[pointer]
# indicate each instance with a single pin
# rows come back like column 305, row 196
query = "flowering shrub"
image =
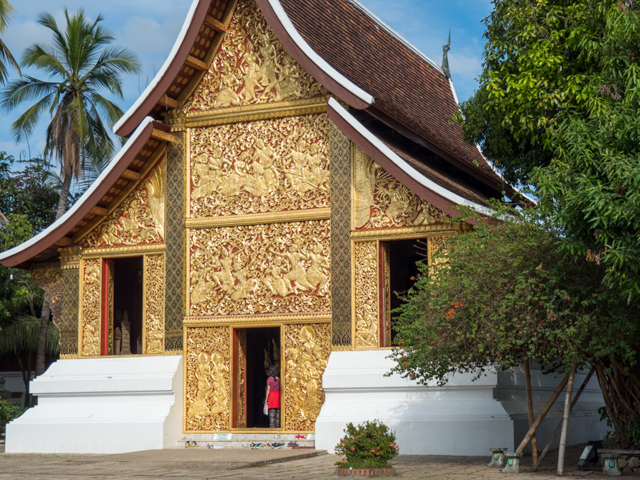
column 8, row 412
column 369, row 445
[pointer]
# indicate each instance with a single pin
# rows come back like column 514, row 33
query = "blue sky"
column 149, row 28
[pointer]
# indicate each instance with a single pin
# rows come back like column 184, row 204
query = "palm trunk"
column 64, row 196
column 42, row 337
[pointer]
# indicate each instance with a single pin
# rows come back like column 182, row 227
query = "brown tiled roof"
column 405, row 85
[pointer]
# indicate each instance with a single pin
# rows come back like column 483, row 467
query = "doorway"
column 401, row 258
column 255, row 350
column 127, row 305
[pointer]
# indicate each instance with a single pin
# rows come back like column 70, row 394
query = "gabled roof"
column 124, row 171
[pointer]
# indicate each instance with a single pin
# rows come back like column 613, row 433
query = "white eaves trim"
column 33, row 240
column 403, row 165
column 162, row 71
column 315, row 58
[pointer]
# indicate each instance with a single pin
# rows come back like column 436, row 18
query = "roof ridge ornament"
column 445, row 57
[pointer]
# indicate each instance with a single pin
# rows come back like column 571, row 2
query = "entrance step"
column 246, row 440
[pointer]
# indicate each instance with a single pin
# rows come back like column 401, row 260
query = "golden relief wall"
column 260, row 269
column 381, row 201
column 90, row 301
column 207, row 379
column 138, row 220
column 251, row 67
column 365, row 305
column 260, row 167
column 307, row 349
column 154, row 288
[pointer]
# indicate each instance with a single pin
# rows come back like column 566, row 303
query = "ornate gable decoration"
column 381, row 201
column 139, row 219
column 252, row 67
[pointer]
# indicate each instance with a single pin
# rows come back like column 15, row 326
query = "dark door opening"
column 263, row 350
column 127, row 304
column 403, row 256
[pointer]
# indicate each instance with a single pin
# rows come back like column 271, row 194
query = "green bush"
column 8, row 412
column 369, row 445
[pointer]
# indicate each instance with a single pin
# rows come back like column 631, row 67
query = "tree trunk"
column 42, row 338
column 64, row 196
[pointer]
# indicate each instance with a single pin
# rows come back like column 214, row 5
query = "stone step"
column 245, row 440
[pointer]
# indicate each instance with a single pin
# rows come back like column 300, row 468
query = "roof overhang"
column 97, row 201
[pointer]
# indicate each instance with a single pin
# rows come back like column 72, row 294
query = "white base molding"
column 102, row 405
column 464, row 417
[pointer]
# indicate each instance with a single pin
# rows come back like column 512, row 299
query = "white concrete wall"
column 464, row 417
column 102, row 405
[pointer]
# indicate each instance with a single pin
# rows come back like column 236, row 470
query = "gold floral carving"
column 366, row 294
column 49, row 279
column 90, row 298
column 70, row 257
column 241, row 378
column 260, row 167
column 207, row 379
column 139, row 219
column 307, row 349
column 381, row 201
column 260, row 269
column 252, row 67
column 154, row 285
column 436, row 243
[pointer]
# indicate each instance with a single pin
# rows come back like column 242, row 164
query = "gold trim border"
column 401, row 233
column 251, row 113
column 260, row 218
column 255, row 320
column 126, row 251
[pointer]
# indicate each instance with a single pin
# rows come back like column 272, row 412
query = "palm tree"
column 5, row 55
column 79, row 63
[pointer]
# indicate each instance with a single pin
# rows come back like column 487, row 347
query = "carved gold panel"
column 366, row 292
column 138, row 220
column 381, row 201
column 207, row 383
column 435, row 243
column 90, row 303
column 49, row 279
column 307, row 349
column 154, row 288
column 251, row 67
column 260, row 167
column 260, row 269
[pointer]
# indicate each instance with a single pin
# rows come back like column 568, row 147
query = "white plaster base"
column 102, row 405
column 464, row 417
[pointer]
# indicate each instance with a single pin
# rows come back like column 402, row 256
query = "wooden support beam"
column 64, row 242
column 167, row 102
column 195, row 63
column 216, row 25
column 130, row 175
column 161, row 135
column 99, row 211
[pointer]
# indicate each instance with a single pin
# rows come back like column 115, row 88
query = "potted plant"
column 367, row 450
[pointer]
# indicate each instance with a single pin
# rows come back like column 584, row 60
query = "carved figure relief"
column 366, row 294
column 139, row 219
column 154, row 277
column 90, row 298
column 272, row 268
column 266, row 166
column 207, row 402
column 251, row 67
column 381, row 201
column 307, row 350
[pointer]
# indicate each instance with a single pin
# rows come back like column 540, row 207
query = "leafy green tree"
column 505, row 293
column 5, row 55
column 80, row 63
column 557, row 109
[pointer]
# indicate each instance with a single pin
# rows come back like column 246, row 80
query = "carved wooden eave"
column 431, row 192
column 126, row 169
column 197, row 44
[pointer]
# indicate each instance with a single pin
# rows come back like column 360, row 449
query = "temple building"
column 283, row 173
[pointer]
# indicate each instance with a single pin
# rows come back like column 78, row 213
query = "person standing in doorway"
column 272, row 398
